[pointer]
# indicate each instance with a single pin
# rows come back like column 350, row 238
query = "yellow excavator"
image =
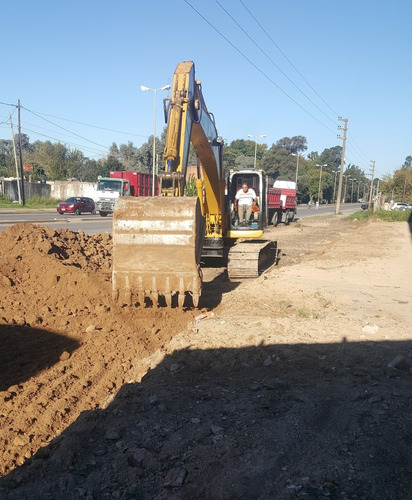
column 158, row 242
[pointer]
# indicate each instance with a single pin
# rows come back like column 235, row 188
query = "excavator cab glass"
column 250, row 217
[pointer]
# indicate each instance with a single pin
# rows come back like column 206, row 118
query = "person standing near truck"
column 245, row 199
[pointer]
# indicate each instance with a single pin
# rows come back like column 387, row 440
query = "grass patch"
column 7, row 203
column 34, row 203
column 386, row 215
column 41, row 202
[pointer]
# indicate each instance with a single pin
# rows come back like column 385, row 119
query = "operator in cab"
column 245, row 199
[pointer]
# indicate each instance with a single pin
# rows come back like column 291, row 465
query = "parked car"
column 76, row 205
column 408, row 206
column 399, row 206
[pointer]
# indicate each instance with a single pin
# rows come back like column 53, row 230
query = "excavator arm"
column 190, row 122
column 158, row 242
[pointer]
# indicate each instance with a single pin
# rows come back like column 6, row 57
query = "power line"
column 63, row 128
column 274, row 63
column 47, row 130
column 287, row 58
column 89, row 125
column 362, row 161
column 256, row 67
column 64, row 142
column 8, row 104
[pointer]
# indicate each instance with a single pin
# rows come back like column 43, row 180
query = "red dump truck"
column 121, row 183
column 282, row 202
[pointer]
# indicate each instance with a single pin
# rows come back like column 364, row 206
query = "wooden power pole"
column 23, row 199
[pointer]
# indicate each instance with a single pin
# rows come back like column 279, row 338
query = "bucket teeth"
column 124, row 297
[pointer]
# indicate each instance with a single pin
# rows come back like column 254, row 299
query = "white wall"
column 61, row 190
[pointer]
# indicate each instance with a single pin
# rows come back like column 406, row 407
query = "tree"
column 407, row 163
column 52, row 158
column 296, row 144
column 7, row 163
column 332, row 157
column 399, row 187
column 279, row 163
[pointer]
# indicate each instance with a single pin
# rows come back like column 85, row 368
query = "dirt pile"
column 45, row 273
column 299, row 386
column 65, row 347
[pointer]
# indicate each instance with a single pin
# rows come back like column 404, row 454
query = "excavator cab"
column 255, row 180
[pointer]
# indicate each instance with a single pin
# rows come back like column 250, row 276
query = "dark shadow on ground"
column 267, row 422
column 410, row 223
column 214, row 290
column 25, row 351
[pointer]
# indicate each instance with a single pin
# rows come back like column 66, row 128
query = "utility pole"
column 342, row 160
column 23, row 200
column 15, row 160
column 371, row 190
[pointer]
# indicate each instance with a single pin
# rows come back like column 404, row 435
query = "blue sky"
column 267, row 67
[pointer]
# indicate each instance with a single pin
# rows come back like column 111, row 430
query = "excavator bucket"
column 157, row 244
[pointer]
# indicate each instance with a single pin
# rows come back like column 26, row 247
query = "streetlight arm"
column 144, row 89
column 256, row 138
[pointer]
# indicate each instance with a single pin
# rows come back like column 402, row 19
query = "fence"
column 9, row 189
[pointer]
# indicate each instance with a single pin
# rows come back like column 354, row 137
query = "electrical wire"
column 287, row 58
column 274, row 63
column 63, row 128
column 257, row 68
column 64, row 142
column 47, row 130
column 354, row 153
column 89, row 125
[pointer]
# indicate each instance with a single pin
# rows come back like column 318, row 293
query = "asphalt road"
column 92, row 224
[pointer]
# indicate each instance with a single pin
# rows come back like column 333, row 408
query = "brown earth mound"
column 299, row 386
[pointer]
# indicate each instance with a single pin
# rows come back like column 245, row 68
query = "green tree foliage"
column 60, row 162
column 332, row 157
column 296, row 144
column 54, row 159
column 279, row 163
column 241, row 154
column 7, row 163
column 399, row 186
column 407, row 163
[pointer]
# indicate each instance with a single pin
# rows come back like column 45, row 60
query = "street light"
column 297, row 164
column 256, row 137
column 344, row 192
column 320, row 178
column 144, row 89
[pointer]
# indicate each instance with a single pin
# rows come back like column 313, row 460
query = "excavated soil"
column 298, row 386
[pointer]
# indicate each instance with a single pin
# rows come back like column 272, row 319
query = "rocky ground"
column 299, row 385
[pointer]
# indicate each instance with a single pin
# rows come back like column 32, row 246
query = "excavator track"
column 157, row 244
column 247, row 259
